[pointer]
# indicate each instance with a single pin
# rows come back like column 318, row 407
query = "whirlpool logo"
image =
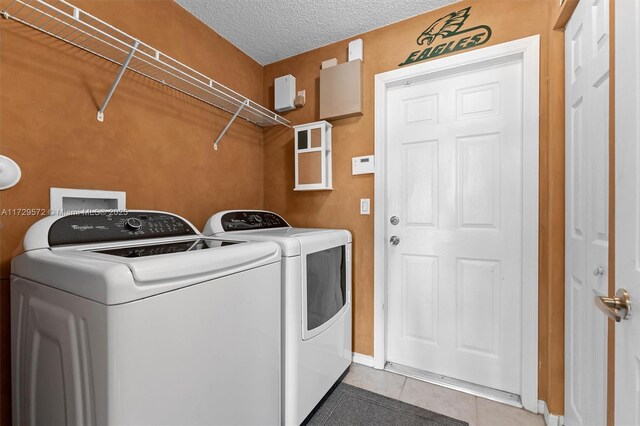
column 444, row 28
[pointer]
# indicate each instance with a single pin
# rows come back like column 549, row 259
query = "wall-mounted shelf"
column 68, row 23
column 312, row 145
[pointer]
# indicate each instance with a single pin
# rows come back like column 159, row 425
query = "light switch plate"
column 365, row 206
column 362, row 165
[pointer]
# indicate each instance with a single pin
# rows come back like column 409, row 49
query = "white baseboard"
column 549, row 419
column 363, row 359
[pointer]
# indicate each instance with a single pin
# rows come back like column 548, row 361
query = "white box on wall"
column 356, row 50
column 285, row 93
column 362, row 165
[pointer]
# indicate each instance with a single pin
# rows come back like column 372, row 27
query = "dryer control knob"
column 133, row 223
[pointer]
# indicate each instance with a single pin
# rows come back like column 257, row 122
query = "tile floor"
column 475, row 410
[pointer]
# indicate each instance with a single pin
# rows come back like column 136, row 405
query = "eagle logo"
column 454, row 37
column 445, row 27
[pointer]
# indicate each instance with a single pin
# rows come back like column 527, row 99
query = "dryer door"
column 326, row 283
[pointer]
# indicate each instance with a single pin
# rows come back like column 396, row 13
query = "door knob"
column 598, row 271
column 617, row 308
column 394, row 220
column 394, row 240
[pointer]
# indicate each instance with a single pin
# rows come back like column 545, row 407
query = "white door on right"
column 627, row 212
column 586, row 212
column 455, row 201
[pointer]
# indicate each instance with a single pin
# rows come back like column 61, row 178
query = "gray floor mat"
column 352, row 406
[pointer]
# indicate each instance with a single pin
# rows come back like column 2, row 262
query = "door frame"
column 528, row 51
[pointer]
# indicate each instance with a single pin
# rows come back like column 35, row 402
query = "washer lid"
column 118, row 257
column 106, row 274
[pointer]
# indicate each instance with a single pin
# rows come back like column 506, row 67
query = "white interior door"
column 587, row 208
column 627, row 211
column 454, row 181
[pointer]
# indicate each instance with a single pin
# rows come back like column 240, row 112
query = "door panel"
column 587, row 211
column 420, row 297
column 478, row 166
column 455, row 181
column 576, row 383
column 478, row 301
column 420, row 182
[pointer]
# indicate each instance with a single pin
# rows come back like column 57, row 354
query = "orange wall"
column 384, row 49
column 155, row 144
column 551, row 321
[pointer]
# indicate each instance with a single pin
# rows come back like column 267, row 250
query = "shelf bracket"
column 125, row 64
column 244, row 104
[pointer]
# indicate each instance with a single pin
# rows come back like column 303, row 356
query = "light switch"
column 365, row 204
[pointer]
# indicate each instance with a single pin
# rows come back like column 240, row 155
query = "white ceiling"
column 270, row 30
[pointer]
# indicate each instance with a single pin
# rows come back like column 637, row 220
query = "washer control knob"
column 133, row 224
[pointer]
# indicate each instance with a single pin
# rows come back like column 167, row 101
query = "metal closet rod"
column 73, row 25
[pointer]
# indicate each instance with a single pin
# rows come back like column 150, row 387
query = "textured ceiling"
column 270, row 30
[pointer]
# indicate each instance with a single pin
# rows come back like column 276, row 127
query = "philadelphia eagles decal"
column 444, row 28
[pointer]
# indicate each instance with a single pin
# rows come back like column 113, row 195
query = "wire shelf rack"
column 71, row 24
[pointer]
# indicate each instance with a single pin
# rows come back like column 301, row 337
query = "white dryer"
column 316, row 290
column 133, row 318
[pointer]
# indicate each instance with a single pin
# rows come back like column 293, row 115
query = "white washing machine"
column 316, row 290
column 133, row 318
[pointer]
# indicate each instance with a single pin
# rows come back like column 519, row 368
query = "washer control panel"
column 116, row 226
column 246, row 220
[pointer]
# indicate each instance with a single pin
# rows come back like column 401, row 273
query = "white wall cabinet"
column 313, row 156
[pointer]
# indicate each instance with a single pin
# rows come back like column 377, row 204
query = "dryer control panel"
column 116, row 226
column 246, row 220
